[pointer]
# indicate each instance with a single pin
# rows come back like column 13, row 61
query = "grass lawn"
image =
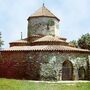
column 9, row 84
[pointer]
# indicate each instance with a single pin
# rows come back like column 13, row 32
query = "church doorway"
column 67, row 70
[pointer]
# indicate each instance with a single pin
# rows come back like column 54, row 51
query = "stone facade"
column 54, row 65
column 43, row 65
column 43, row 26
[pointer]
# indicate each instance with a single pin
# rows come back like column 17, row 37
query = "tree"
column 84, row 41
column 1, row 42
column 74, row 43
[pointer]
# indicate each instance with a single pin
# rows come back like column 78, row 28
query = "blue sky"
column 74, row 16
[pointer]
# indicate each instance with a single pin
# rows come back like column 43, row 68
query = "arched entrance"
column 81, row 73
column 67, row 70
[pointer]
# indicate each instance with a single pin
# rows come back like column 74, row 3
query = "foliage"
column 51, row 22
column 74, row 43
column 1, row 42
column 84, row 41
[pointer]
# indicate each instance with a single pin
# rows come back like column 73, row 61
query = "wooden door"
column 67, row 70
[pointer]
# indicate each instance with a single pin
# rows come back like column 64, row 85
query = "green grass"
column 9, row 84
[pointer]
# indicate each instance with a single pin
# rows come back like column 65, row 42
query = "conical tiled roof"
column 49, row 40
column 43, row 11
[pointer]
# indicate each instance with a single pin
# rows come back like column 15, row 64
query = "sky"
column 74, row 17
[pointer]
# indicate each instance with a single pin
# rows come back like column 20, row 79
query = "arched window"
column 81, row 73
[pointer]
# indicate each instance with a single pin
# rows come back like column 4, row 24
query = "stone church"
column 43, row 55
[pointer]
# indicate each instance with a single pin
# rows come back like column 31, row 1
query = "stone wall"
column 51, row 68
column 19, row 65
column 40, row 65
column 43, row 26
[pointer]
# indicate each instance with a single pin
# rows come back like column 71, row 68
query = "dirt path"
column 67, row 82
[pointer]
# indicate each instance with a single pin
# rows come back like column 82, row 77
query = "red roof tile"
column 46, row 48
column 49, row 40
